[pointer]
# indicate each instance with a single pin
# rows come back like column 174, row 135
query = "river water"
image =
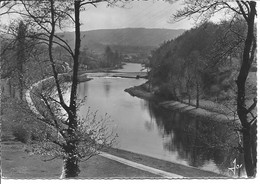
column 144, row 127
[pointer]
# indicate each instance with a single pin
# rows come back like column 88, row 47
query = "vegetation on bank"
column 144, row 92
column 206, row 56
column 202, row 63
column 109, row 59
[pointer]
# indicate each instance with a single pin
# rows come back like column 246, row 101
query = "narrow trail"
column 141, row 166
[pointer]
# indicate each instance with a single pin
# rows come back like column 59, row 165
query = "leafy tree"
column 15, row 52
column 203, row 10
column 108, row 56
column 111, row 58
column 196, row 70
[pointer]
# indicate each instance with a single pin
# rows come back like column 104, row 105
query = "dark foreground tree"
column 203, row 10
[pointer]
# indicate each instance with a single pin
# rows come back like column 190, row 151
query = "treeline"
column 108, row 59
column 201, row 63
column 111, row 58
column 20, row 61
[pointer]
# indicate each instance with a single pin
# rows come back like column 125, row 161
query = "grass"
column 223, row 108
column 18, row 162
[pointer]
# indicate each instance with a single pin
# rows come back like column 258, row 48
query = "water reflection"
column 83, row 89
column 198, row 142
column 107, row 87
column 144, row 127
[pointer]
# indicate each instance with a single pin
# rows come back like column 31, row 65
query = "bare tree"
column 202, row 11
column 72, row 138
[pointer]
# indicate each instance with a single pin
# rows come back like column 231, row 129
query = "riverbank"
column 212, row 112
column 133, row 75
column 100, row 166
column 102, row 70
column 140, row 92
column 19, row 163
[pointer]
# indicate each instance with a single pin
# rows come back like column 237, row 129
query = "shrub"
column 165, row 92
column 21, row 133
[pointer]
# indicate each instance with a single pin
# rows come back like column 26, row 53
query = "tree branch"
column 253, row 121
column 252, row 56
column 66, row 46
column 47, row 160
column 242, row 10
column 252, row 106
column 247, row 7
column 230, row 7
column 91, row 2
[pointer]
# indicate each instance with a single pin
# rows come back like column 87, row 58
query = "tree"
column 203, row 10
column 196, row 70
column 188, row 74
column 15, row 52
column 69, row 137
column 21, row 58
column 108, row 56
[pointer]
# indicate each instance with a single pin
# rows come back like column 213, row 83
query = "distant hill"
column 124, row 40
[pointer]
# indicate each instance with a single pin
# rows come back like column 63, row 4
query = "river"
column 144, row 127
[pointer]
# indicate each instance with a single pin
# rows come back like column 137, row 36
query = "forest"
column 202, row 63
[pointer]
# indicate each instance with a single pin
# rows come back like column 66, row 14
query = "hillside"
column 125, row 40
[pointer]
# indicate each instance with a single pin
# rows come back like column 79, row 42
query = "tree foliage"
column 111, row 58
column 202, row 11
column 194, row 58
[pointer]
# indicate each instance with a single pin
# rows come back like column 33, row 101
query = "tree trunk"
column 241, row 81
column 20, row 56
column 248, row 152
column 70, row 168
column 198, row 95
column 20, row 81
column 73, row 94
column 188, row 90
column 12, row 89
column 253, row 134
column 189, row 96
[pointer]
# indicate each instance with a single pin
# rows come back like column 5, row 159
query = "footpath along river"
column 145, row 128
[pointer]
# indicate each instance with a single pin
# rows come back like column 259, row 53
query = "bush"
column 21, row 133
column 165, row 92
column 40, row 133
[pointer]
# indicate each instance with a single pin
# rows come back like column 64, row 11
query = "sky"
column 148, row 14
column 137, row 13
